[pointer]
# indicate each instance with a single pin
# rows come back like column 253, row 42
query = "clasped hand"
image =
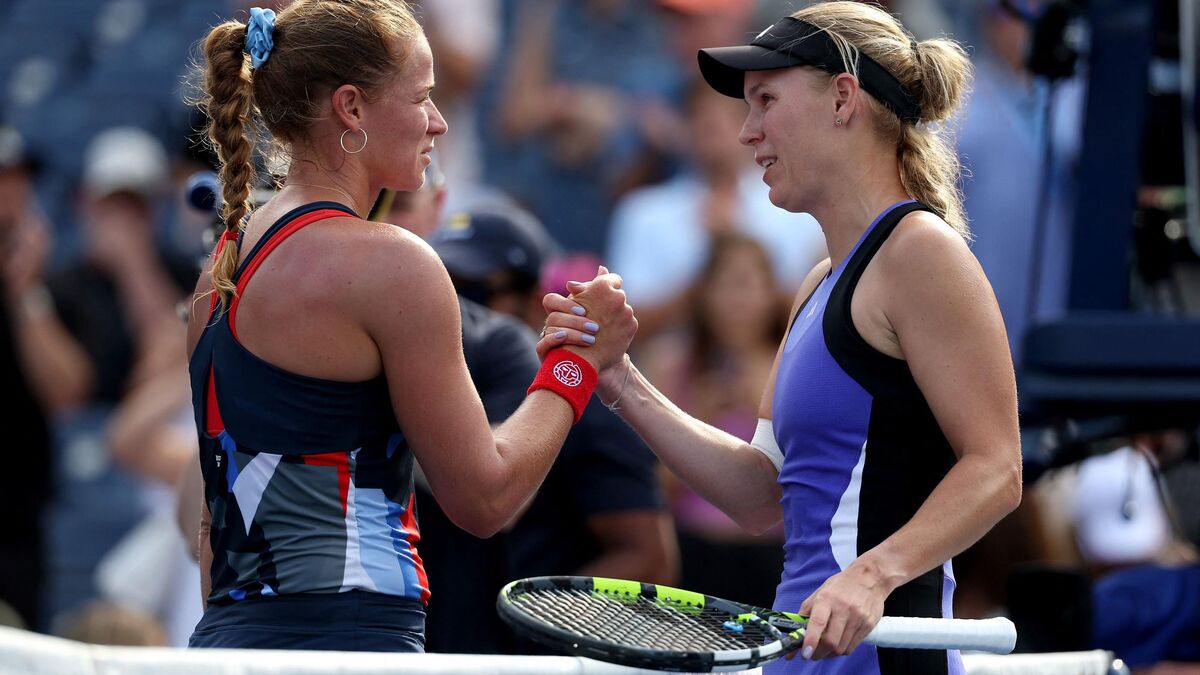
column 595, row 321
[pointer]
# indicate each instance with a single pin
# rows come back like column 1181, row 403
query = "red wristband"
column 568, row 375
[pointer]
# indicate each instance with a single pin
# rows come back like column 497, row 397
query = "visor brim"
column 724, row 68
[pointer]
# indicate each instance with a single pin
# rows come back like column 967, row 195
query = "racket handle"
column 997, row 635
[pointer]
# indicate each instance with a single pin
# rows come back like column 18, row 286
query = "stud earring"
column 837, row 122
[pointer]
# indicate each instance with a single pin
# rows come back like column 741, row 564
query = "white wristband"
column 764, row 442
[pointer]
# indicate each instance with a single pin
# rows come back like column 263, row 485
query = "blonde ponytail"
column 936, row 72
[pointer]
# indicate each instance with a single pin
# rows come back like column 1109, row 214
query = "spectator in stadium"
column 888, row 433
column 118, row 303
column 715, row 370
column 36, row 353
column 316, row 386
column 464, row 36
column 119, row 300
column 661, row 234
column 103, row 622
column 1020, row 141
column 563, row 132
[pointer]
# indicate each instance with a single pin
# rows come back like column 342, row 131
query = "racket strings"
column 644, row 623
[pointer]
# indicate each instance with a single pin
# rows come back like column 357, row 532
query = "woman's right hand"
column 595, row 310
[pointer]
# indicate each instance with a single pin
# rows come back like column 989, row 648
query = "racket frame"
column 786, row 628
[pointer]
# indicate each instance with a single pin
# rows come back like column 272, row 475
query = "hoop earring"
column 836, row 123
column 342, row 142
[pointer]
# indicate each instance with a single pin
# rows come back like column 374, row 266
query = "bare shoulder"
column 925, row 255
column 378, row 253
column 389, row 271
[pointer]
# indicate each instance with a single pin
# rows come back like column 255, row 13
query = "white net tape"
column 27, row 653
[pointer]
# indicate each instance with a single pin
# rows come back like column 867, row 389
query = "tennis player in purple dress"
column 888, row 438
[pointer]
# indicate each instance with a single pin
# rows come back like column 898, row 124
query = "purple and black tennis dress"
column 862, row 451
column 310, row 487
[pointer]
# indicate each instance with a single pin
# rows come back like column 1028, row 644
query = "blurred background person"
column 661, row 234
column 42, row 368
column 715, row 368
column 465, row 37
column 561, row 122
column 107, row 623
column 118, row 301
column 1002, row 137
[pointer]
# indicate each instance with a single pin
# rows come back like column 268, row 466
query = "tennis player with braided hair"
column 888, row 441
column 326, row 350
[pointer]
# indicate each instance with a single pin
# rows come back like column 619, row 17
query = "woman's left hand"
column 843, row 611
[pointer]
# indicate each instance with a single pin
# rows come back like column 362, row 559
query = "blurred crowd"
column 579, row 135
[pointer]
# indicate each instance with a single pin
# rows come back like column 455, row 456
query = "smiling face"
column 786, row 125
column 404, row 123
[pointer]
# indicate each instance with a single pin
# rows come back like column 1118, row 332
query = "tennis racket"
column 663, row 628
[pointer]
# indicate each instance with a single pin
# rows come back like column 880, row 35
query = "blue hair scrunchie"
column 259, row 30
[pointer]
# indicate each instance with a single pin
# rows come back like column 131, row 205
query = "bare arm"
column 189, row 506
column 526, row 103
column 195, row 521
column 719, row 466
column 60, row 372
column 144, row 434
column 205, row 551
column 479, row 477
column 948, row 326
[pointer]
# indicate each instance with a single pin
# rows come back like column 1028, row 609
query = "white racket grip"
column 997, row 635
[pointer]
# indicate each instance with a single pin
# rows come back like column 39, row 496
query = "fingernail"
column 590, row 339
column 806, row 653
column 560, row 335
column 591, row 327
column 578, row 311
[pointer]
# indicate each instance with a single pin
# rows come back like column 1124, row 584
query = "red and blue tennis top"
column 309, row 481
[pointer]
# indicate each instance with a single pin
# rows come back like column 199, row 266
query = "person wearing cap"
column 599, row 510
column 117, row 301
column 888, row 438
column 119, row 298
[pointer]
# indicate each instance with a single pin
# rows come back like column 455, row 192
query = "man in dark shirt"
column 600, row 510
column 119, row 299
column 25, row 318
column 118, row 303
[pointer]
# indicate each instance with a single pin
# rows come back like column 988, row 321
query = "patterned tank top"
column 309, row 481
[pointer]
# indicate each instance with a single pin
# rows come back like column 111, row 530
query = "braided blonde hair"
column 318, row 46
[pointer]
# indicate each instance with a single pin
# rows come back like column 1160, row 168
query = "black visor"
column 792, row 42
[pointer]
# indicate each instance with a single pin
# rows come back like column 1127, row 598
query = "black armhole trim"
column 878, row 373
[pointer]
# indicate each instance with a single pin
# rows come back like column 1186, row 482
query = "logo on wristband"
column 568, row 373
